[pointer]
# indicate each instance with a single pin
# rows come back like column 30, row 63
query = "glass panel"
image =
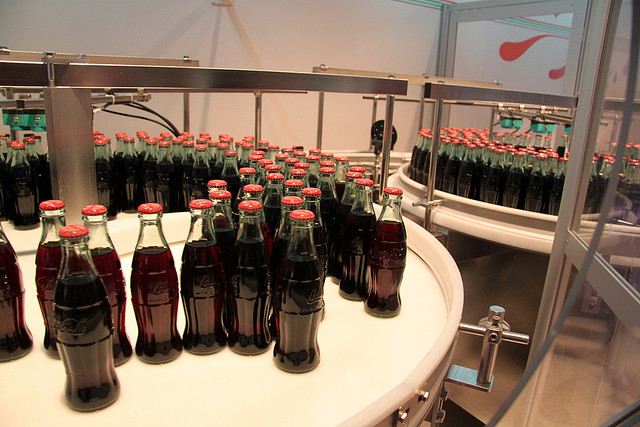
column 590, row 374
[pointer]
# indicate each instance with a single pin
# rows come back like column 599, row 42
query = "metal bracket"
column 5, row 50
column 494, row 330
column 425, row 204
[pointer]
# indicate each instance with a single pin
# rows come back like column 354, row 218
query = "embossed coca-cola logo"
column 72, row 326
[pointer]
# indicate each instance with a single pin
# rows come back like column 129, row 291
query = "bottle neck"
column 201, row 159
column 221, row 215
column 284, row 228
column 3, row 237
column 98, row 234
column 19, row 157
column 100, row 152
column 312, row 203
column 391, row 208
column 230, row 166
column 76, row 258
column 151, row 234
column 164, row 155
column 362, row 202
column 301, row 245
column 150, row 153
column 250, row 226
column 349, row 192
column 327, row 186
column 201, row 227
column 52, row 222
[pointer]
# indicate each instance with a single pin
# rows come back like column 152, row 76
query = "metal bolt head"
column 403, row 416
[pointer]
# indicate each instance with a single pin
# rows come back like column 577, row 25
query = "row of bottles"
column 524, row 176
column 25, row 180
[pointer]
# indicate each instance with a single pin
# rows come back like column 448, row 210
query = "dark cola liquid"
column 494, row 185
column 555, row 195
column 334, row 262
column 249, row 299
column 319, row 241
column 298, row 309
column 272, row 216
column 513, row 189
column 387, row 260
column 534, row 195
column 154, row 294
column 355, row 253
column 132, row 187
column 339, row 189
column 15, row 337
column 48, row 258
column 329, row 212
column 24, row 191
column 108, row 265
column 203, row 290
column 200, row 177
column 105, row 186
column 233, row 185
column 83, row 323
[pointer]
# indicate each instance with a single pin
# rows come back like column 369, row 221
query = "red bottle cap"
column 188, row 143
column 201, row 147
column 282, row 156
column 302, row 165
column 295, row 183
column 315, row 151
column 326, row 155
column 94, row 210
column 73, row 231
column 327, row 170
column 364, row 182
column 357, row 169
column 299, row 153
column 273, row 147
column 272, row 168
column 297, row 172
column 252, row 188
column 247, row 145
column 223, row 145
column 202, row 134
column 291, row 201
column 51, row 205
column 275, row 176
column 231, row 153
column 287, row 150
column 265, row 162
column 247, row 171
column 99, row 142
column 217, row 183
column 164, row 144
column 255, row 157
column 220, row 194
column 355, row 175
column 200, row 204
column 311, row 191
column 395, row 191
column 342, row 159
column 129, row 139
column 18, row 145
column 327, row 164
column 302, row 215
column 250, row 205
column 150, row 208
column 212, row 143
column 257, row 153
column 313, row 158
column 291, row 160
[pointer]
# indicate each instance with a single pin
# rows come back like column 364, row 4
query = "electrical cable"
column 607, row 203
column 137, row 117
column 140, row 106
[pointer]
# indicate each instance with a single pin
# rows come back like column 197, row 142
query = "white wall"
column 292, row 35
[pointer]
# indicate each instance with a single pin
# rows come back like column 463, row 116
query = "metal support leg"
column 186, row 113
column 386, row 144
column 433, row 162
column 69, row 136
column 421, row 113
column 320, row 119
column 374, row 113
column 258, row 121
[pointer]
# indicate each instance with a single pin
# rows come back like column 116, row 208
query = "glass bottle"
column 298, row 300
column 246, row 178
column 107, row 263
column 255, row 192
column 23, row 190
column 311, row 197
column 340, row 178
column 355, row 248
column 387, row 257
column 230, row 174
column 424, row 158
column 555, row 194
column 119, row 172
column 249, row 285
column 84, row 328
column 201, row 173
column 154, row 290
column 280, row 159
column 188, row 159
column 48, row 259
column 167, row 189
column 328, row 204
column 516, row 184
column 202, row 283
column 465, row 172
column 216, row 168
column 496, row 178
column 132, row 186
column 293, row 187
column 243, row 157
column 104, row 177
column 261, row 175
column 216, row 184
column 334, row 263
column 299, row 174
column 273, row 193
column 444, row 152
column 453, row 167
column 313, row 171
column 150, row 176
column 223, row 223
column 533, row 200
column 289, row 165
column 16, row 338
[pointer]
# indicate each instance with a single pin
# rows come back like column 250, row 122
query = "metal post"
column 493, row 117
column 258, row 121
column 185, row 117
column 374, row 112
column 490, row 344
column 421, row 114
column 386, row 143
column 69, row 126
column 320, row 119
column 433, row 161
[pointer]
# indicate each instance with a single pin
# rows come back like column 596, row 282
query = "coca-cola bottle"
column 154, row 290
column 104, row 177
column 334, row 263
column 119, row 173
column 281, row 236
column 423, row 162
column 261, row 175
column 516, row 185
column 273, row 193
column 387, row 257
column 150, row 174
column 465, row 171
column 340, row 177
column 299, row 174
column 328, row 204
column 534, row 197
column 452, row 169
column 216, row 168
column 355, row 248
column 272, row 150
column 314, row 165
column 15, row 339
column 132, row 186
column 249, row 285
column 311, row 197
column 298, row 299
column 254, row 192
column 280, row 160
column 216, row 184
column 188, row 159
column 246, row 178
column 293, row 187
column 243, row 157
column 202, row 283
column 444, row 152
column 23, row 189
column 176, row 158
column 167, row 192
column 107, row 263
column 48, row 259
column 223, row 224
column 201, row 172
column 230, row 174
column 555, row 194
column 84, row 326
